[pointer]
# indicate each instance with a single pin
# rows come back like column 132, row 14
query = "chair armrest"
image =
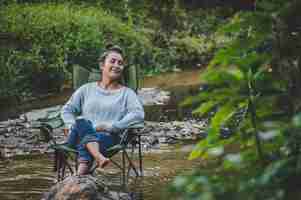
column 137, row 126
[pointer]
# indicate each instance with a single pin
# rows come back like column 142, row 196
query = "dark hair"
column 110, row 48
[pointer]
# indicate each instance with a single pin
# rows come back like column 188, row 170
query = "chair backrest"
column 82, row 75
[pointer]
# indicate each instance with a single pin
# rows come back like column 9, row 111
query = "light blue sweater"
column 114, row 110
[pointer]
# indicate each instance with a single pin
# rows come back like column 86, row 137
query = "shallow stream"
column 28, row 178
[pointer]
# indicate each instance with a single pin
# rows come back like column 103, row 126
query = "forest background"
column 250, row 51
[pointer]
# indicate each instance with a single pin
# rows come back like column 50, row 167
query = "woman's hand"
column 103, row 127
column 100, row 128
column 66, row 131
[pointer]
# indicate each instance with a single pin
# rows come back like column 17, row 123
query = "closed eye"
column 120, row 62
column 113, row 60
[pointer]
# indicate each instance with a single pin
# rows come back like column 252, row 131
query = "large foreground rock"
column 81, row 188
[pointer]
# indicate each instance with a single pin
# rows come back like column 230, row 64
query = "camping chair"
column 66, row 157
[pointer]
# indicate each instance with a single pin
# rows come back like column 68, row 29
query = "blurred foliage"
column 61, row 35
column 9, row 78
column 72, row 33
column 252, row 97
column 157, row 36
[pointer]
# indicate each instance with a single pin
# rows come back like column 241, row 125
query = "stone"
column 37, row 114
column 153, row 141
column 84, row 187
column 154, row 96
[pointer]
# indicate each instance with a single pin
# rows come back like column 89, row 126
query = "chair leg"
column 63, row 171
column 131, row 164
column 127, row 164
column 140, row 155
column 61, row 163
column 123, row 168
column 59, row 166
column 76, row 163
column 66, row 163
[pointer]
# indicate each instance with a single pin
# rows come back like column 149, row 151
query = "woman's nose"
column 118, row 65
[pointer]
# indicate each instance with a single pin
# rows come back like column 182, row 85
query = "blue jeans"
column 83, row 132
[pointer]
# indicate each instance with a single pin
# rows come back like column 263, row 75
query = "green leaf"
column 272, row 171
column 230, row 79
column 188, row 101
column 223, row 114
column 232, row 160
column 204, row 108
column 198, row 150
column 297, row 120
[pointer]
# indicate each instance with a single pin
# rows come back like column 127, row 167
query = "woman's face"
column 112, row 67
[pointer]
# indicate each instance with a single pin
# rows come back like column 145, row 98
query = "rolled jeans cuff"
column 89, row 138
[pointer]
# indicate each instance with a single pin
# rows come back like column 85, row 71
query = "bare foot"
column 102, row 162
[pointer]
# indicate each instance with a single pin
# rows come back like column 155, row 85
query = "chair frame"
column 133, row 137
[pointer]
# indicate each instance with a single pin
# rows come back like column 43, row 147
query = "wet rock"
column 3, row 131
column 81, row 187
column 7, row 151
column 158, row 133
column 35, row 115
column 153, row 96
column 162, row 140
column 171, row 140
column 153, row 141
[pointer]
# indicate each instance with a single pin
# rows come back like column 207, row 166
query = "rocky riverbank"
column 23, row 135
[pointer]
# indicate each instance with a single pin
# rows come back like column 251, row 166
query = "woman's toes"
column 105, row 163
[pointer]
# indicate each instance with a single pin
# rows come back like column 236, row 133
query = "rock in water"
column 77, row 187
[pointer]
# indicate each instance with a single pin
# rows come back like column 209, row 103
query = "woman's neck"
column 109, row 85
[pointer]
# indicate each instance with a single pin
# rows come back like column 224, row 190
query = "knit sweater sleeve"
column 73, row 107
column 134, row 113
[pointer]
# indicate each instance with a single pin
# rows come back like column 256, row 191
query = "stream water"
column 28, row 178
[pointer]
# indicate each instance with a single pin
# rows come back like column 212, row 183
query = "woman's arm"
column 134, row 114
column 73, row 107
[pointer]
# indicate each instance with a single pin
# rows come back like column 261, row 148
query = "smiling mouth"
column 116, row 71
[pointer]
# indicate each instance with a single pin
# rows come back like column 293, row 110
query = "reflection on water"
column 176, row 79
column 28, row 179
column 25, row 179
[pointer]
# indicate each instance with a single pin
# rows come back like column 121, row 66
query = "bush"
column 8, row 78
column 73, row 33
column 23, row 74
column 61, row 35
column 193, row 50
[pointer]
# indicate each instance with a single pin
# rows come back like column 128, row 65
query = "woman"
column 105, row 107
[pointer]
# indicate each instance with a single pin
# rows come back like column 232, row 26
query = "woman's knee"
column 84, row 127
